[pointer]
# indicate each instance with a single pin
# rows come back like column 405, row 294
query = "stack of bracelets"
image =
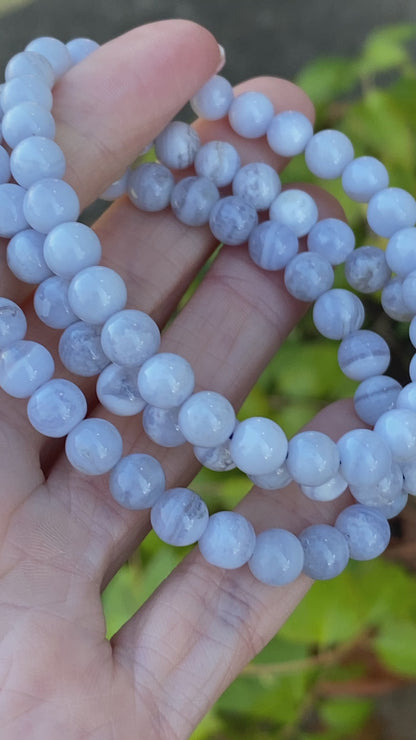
column 49, row 247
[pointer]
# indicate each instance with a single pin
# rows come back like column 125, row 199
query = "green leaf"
column 396, row 646
column 9, row 6
column 346, row 714
column 385, row 48
column 325, row 79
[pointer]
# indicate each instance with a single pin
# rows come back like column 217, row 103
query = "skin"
column 62, row 536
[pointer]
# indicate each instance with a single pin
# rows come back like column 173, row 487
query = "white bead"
column 228, row 540
column 325, row 550
column 392, row 301
column 308, row 275
column 207, row 419
column 406, row 398
column 24, row 366
column 130, row 337
column 332, row 489
column 277, row 558
column 215, row 458
column 94, row 446
column 117, row 390
column 401, row 251
column 365, row 457
column 398, row 430
column 383, row 492
column 327, row 153
column 70, row 247
column 295, row 209
column 95, row 293
column 258, row 446
column 162, row 426
column 51, row 304
column 56, row 407
column 280, row 478
column 166, row 380
column 366, row 531
column 312, row 458
column 179, row 516
column 12, row 323
column 137, row 481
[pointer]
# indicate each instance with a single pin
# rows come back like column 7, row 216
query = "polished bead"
column 280, row 478
column 27, row 119
column 24, row 366
column 412, row 368
column 218, row 160
column 367, row 531
column 207, row 419
column 397, row 428
column 412, row 331
column 12, row 217
column 401, row 251
column 296, row 209
column 228, row 540
column 258, row 184
column 308, row 275
column 362, row 354
column 130, row 337
column 213, row 100
column 177, row 145
column 289, row 132
column 215, row 458
column 406, row 398
column 409, row 477
column 162, row 426
column 312, row 458
column 327, row 153
column 94, row 446
column 25, row 257
column 366, row 269
column 117, row 390
column 365, row 457
column 363, row 177
column 332, row 489
column 386, row 490
column 150, row 186
column 30, row 63
column 4, row 166
column 250, row 114
column 27, row 88
column 80, row 48
column 408, row 291
column 232, row 220
column 166, row 380
column 137, row 481
column 337, row 313
column 50, row 202
column 277, row 558
column 393, row 508
column 331, row 238
column 35, row 158
column 118, row 187
column 55, row 52
column 12, row 323
column 51, row 303
column 80, row 349
column 391, row 209
column 179, row 516
column 56, row 407
column 70, row 247
column 95, row 293
column 325, row 551
column 374, row 396
column 192, row 200
column 392, row 301
column 258, row 446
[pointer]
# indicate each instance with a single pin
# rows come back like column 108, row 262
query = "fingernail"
column 222, row 61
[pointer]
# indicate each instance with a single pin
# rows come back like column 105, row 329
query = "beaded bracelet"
column 49, row 247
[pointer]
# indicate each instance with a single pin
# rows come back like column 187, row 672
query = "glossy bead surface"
column 35, row 158
column 295, row 209
column 277, row 558
column 130, row 337
column 179, row 516
column 250, row 114
column 55, row 52
column 258, row 184
column 13, row 323
column 207, row 419
column 12, row 216
column 337, row 313
column 94, row 446
column 366, row 531
column 401, row 251
column 118, row 187
column 366, row 269
column 363, row 177
column 365, row 457
column 374, row 396
column 25, row 257
column 177, row 145
column 406, row 398
column 51, row 303
column 312, row 458
column 408, row 291
column 24, row 366
column 362, row 354
column 308, row 275
column 30, row 63
column 331, row 238
column 397, row 428
column 332, row 489
column 272, row 245
column 193, row 199
column 391, row 209
column 258, row 446
column 81, row 48
column 280, row 478
column 228, row 540
column 27, row 88
column 117, row 390
column 327, row 153
column 50, row 202
column 166, row 380
column 392, row 301
column 137, row 481
column 218, row 160
column 232, row 220
column 393, row 508
column 80, row 349
column 150, row 186
column 215, row 458
column 383, row 492
column 56, row 407
column 162, row 426
column 409, row 477
column 212, row 101
column 289, row 132
column 27, row 119
column 95, row 293
column 4, row 166
column 325, row 551
column 70, row 247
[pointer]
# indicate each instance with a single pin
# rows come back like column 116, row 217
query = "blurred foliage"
column 311, row 681
column 9, row 6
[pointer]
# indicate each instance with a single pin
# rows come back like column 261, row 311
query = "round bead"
column 35, row 158
column 193, row 199
column 94, row 446
column 118, row 187
column 27, row 88
column 366, row 269
column 70, row 247
column 332, row 489
column 296, row 209
column 408, row 291
column 25, row 257
column 333, row 239
column 179, row 516
column 362, row 354
column 258, row 184
column 50, row 202
column 393, row 508
column 280, row 478
column 55, row 52
column 258, row 446
column 366, row 531
column 80, row 48
column 117, row 390
column 207, row 419
column 391, row 209
column 177, row 145
column 51, row 303
column 277, row 558
column 228, row 540
column 215, row 458
column 219, row 161
column 327, row 153
column 24, row 366
column 137, row 481
column 289, row 132
column 250, row 114
column 363, row 178
column 162, row 426
column 397, row 428
column 374, row 396
column 80, row 349
column 4, row 166
column 130, row 337
column 272, row 245
column 27, row 119
column 337, row 313
column 13, row 323
column 30, row 63
column 409, row 477
column 365, row 457
column 95, row 293
column 325, row 551
column 412, row 331
column 12, row 217
column 392, row 301
column 150, row 186
column 312, row 458
column 383, row 492
column 308, row 275
column 56, row 407
column 232, row 220
column 166, row 380
column 401, row 252
column 406, row 398
column 412, row 368
column 213, row 100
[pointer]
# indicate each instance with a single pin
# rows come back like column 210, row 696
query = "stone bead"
column 179, row 516
column 117, row 390
column 272, row 245
column 366, row 269
column 56, row 407
column 166, row 380
column 25, row 257
column 397, row 428
column 213, row 100
column 207, row 419
column 162, row 426
column 218, row 160
column 232, row 220
column 408, row 291
column 228, row 540
column 51, row 303
column 215, row 458
column 392, row 301
column 96, row 293
column 364, row 177
column 50, row 202
column 137, row 481
column 365, row 457
column 258, row 446
column 4, row 166
column 192, row 200
column 130, row 337
column 177, row 145
column 277, row 558
column 35, row 158
column 326, row 552
column 312, row 458
column 308, row 275
column 27, row 88
column 383, row 492
column 406, row 398
column 13, row 323
column 409, row 477
column 412, row 331
column 30, row 63
column 362, row 354
column 288, row 133
column 94, row 446
column 327, row 153
column 118, row 187
column 258, row 184
column 80, row 349
column 331, row 238
column 80, row 48
column 24, row 366
column 27, row 119
column 401, row 251
column 250, row 114
column 295, row 209
column 366, row 531
column 337, row 313
column 55, row 52
column 374, row 396
column 12, row 217
column 329, row 491
column 150, row 186
column 393, row 508
column 275, row 481
column 70, row 247
column 391, row 209
column 412, row 368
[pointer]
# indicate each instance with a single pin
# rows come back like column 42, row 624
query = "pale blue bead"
column 94, row 446
column 258, row 184
column 179, row 516
column 35, row 158
column 365, row 457
column 51, row 303
column 228, row 541
column 289, row 132
column 4, row 166
column 27, row 119
column 412, row 368
column 397, row 428
column 408, row 291
column 258, row 446
column 374, row 396
column 296, row 209
column 130, row 337
column 137, row 481
column 117, row 390
column 406, row 398
column 118, row 187
column 333, row 239
column 412, row 331
column 213, row 100
column 25, row 257
column 392, row 301
column 55, row 52
column 80, row 349
column 215, row 458
column 177, row 145
column 207, row 419
column 12, row 217
column 327, row 153
column 409, row 477
column 277, row 558
column 24, row 89
column 250, row 114
column 24, row 366
column 162, row 426
column 50, row 202
column 362, row 354
column 95, row 293
column 280, row 478
column 81, row 48
column 166, row 380
column 56, row 407
column 363, row 178
column 312, row 458
column 13, row 323
column 232, row 220
column 366, row 269
column 394, row 507
column 329, row 491
column 391, row 209
column 326, row 552
column 366, row 531
column 192, row 200
column 401, row 251
column 150, row 186
column 272, row 245
column 218, row 160
column 308, row 275
column 337, row 313
column 383, row 492
column 70, row 247
column 30, row 63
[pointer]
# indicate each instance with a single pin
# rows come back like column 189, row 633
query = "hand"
column 63, row 537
